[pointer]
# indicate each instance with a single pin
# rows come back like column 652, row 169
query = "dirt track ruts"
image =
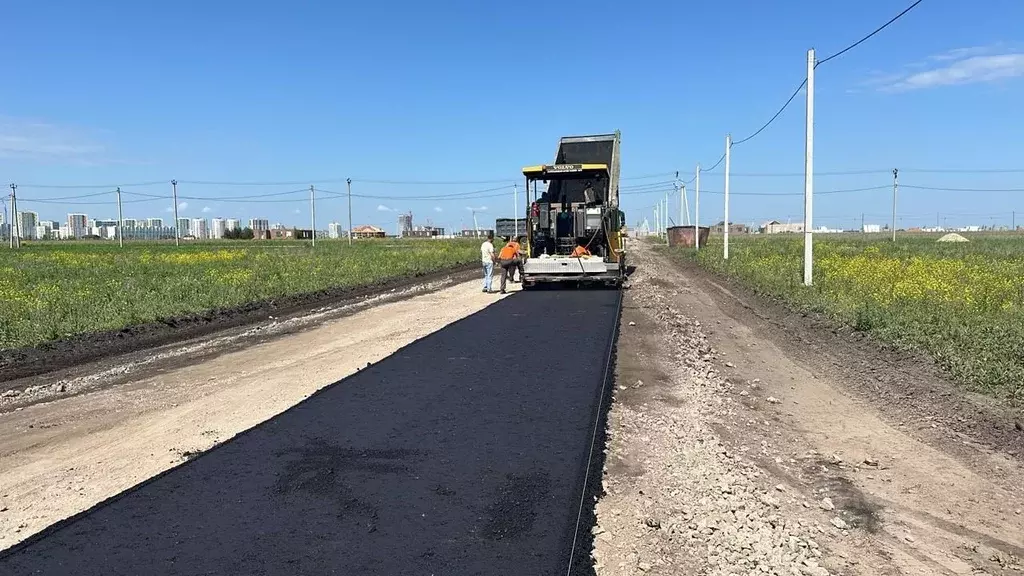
column 463, row 452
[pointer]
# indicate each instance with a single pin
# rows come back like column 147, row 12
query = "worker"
column 509, row 259
column 487, row 258
column 580, row 251
column 520, row 258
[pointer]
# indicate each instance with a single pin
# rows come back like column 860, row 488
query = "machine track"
column 475, row 450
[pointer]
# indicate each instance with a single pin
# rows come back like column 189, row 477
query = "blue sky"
column 121, row 93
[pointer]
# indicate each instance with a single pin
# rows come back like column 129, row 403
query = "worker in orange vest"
column 509, row 259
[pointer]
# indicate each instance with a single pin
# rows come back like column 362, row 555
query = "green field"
column 961, row 302
column 54, row 290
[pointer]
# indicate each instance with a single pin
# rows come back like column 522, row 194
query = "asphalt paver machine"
column 577, row 212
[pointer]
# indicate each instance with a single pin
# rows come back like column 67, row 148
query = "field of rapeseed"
column 961, row 302
column 50, row 291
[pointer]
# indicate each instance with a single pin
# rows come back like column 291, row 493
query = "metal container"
column 683, row 236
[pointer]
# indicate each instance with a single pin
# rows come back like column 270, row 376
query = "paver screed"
column 463, row 453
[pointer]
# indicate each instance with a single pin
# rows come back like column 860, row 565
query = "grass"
column 963, row 303
column 51, row 291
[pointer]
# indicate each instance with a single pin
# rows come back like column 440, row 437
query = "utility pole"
column 312, row 212
column 657, row 221
column 686, row 203
column 725, row 233
column 683, row 216
column 174, row 195
column 15, row 241
column 515, row 208
column 666, row 217
column 862, row 222
column 809, row 174
column 120, row 220
column 15, row 224
column 1013, row 220
column 348, row 182
column 895, row 190
column 696, row 210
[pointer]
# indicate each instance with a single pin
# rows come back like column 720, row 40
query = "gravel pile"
column 678, row 501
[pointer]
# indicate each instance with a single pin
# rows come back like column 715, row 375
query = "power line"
column 85, row 186
column 777, row 114
column 713, row 167
column 816, row 173
column 938, row 189
column 876, row 31
column 965, row 170
column 823, row 192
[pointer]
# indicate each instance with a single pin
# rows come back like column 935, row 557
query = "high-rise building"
column 259, row 225
column 233, row 224
column 155, row 222
column 334, row 230
column 200, row 229
column 184, row 227
column 27, row 222
column 404, row 224
column 217, row 228
column 130, row 223
column 78, row 225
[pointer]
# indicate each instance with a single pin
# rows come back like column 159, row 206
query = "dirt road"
column 747, row 441
column 60, row 457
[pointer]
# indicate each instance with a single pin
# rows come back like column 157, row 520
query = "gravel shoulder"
column 746, row 441
column 60, row 454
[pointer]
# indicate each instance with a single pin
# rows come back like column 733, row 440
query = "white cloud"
column 181, row 206
column 207, row 209
column 973, row 65
column 383, row 208
column 298, row 211
column 476, row 208
column 25, row 139
column 438, row 209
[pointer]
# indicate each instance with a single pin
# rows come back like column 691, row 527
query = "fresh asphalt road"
column 463, row 453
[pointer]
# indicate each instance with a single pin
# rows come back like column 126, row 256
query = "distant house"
column 423, row 232
column 734, row 228
column 368, row 231
column 776, row 227
column 283, row 234
column 473, row 233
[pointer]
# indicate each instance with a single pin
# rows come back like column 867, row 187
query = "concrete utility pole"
column 895, row 190
column 348, row 182
column 696, row 210
column 120, row 220
column 809, row 174
column 684, row 218
column 174, row 195
column 666, row 216
column 725, row 233
column 15, row 240
column 515, row 208
column 312, row 212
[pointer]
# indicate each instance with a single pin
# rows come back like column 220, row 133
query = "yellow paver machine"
column 574, row 229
